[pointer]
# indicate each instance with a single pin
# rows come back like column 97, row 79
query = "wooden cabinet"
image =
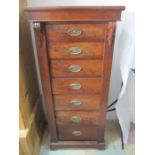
column 75, row 50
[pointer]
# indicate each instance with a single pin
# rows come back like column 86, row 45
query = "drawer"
column 76, row 50
column 77, row 102
column 76, row 68
column 77, row 118
column 77, row 133
column 75, row 32
column 76, row 85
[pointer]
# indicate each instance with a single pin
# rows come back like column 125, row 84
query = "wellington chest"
column 75, row 50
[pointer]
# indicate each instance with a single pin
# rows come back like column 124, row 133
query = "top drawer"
column 75, row 32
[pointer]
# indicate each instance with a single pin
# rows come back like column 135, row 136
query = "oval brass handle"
column 75, row 86
column 76, row 119
column 74, row 68
column 74, row 50
column 74, row 31
column 76, row 102
column 77, row 133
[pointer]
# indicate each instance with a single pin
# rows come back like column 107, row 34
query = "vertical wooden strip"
column 24, row 146
column 21, row 121
column 28, row 84
column 40, row 37
column 106, row 73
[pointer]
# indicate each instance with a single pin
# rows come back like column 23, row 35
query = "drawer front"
column 76, row 50
column 77, row 118
column 76, row 85
column 75, row 32
column 77, row 133
column 76, row 68
column 77, row 102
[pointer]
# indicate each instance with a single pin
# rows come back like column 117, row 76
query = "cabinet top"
column 74, row 13
column 75, row 8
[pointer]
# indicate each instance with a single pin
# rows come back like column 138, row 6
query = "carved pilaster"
column 110, row 34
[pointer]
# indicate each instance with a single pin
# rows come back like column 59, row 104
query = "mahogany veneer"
column 88, row 102
column 89, row 68
column 60, row 50
column 75, row 50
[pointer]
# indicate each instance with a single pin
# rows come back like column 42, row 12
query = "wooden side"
column 30, row 138
column 21, row 121
column 29, row 103
column 106, row 72
column 28, row 89
column 20, row 150
column 45, row 77
column 24, row 148
column 25, row 104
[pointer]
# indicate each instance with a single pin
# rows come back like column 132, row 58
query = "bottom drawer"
column 77, row 133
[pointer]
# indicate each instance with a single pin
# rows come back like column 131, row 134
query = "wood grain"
column 96, row 40
column 30, row 138
column 77, row 144
column 88, row 133
column 28, row 84
column 89, row 50
column 95, row 13
column 21, row 121
column 75, row 8
column 87, row 118
column 90, row 32
column 88, row 85
column 45, row 77
column 106, row 73
column 89, row 68
column 27, row 96
column 88, row 102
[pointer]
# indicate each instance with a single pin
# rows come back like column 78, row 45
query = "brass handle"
column 75, row 86
column 74, row 50
column 77, row 133
column 74, row 68
column 76, row 119
column 76, row 102
column 74, row 31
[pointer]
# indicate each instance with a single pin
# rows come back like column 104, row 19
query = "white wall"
column 127, row 23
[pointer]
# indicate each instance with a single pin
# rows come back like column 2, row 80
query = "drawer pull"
column 74, row 68
column 77, row 133
column 75, row 86
column 76, row 102
column 75, row 50
column 74, row 31
column 76, row 119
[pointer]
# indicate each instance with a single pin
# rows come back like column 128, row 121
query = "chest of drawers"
column 75, row 49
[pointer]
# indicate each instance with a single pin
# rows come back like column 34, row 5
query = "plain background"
column 145, row 77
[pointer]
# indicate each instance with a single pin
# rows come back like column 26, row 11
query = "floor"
column 113, row 144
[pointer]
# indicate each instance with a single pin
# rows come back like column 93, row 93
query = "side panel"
column 45, row 77
column 106, row 73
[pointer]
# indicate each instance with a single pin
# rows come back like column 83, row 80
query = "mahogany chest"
column 75, row 50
